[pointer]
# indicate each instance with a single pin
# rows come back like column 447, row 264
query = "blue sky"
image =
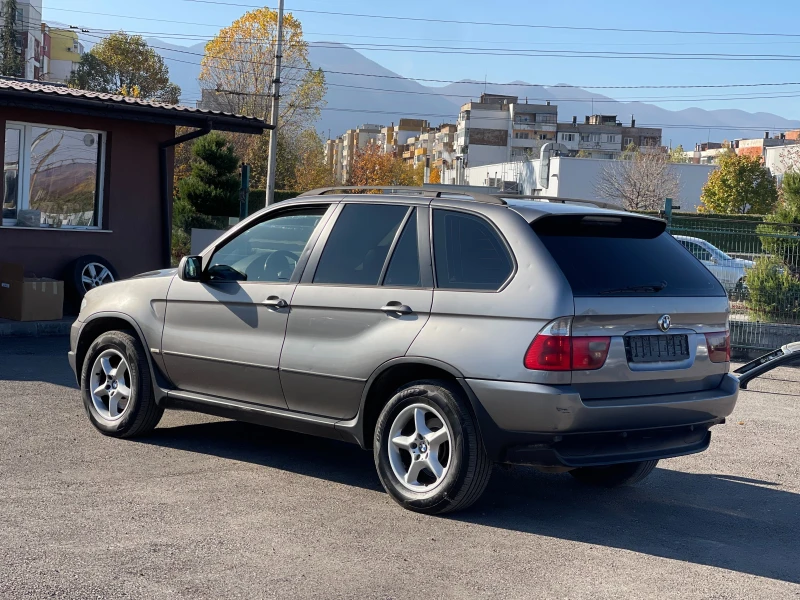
column 200, row 21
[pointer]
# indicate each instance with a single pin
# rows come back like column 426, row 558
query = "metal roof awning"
column 20, row 93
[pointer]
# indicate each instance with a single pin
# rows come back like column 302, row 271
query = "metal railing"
column 758, row 263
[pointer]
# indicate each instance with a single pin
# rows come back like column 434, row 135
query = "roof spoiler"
column 433, row 191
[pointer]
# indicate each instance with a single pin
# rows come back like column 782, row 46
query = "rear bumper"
column 552, row 425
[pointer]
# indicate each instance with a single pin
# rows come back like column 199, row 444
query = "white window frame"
column 24, row 179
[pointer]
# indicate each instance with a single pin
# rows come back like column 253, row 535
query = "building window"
column 567, row 137
column 521, row 135
column 546, row 118
column 542, row 136
column 52, row 176
column 610, row 139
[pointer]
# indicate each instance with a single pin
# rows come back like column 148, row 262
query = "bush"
column 786, row 224
column 773, row 292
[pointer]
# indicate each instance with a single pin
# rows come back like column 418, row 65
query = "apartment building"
column 339, row 153
column 604, row 136
column 444, row 142
column 65, row 54
column 758, row 146
column 28, row 20
column 499, row 128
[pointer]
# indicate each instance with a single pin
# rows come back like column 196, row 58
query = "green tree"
column 676, row 155
column 124, row 64
column 742, row 184
column 773, row 292
column 782, row 229
column 212, row 188
column 311, row 170
column 11, row 64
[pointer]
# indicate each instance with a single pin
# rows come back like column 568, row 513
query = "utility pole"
column 276, row 94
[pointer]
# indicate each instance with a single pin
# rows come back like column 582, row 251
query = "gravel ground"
column 209, row 508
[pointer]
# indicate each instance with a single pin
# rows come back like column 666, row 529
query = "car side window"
column 468, row 252
column 268, row 251
column 403, row 268
column 359, row 243
column 699, row 252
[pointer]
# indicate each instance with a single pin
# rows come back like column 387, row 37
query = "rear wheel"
column 428, row 450
column 615, row 475
column 116, row 387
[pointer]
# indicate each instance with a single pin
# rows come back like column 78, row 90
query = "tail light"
column 554, row 349
column 719, row 346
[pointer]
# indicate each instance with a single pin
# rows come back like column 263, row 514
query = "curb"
column 17, row 329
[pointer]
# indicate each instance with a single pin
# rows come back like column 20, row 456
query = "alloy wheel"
column 110, row 385
column 95, row 274
column 419, row 446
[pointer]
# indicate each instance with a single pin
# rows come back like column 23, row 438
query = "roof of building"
column 43, row 96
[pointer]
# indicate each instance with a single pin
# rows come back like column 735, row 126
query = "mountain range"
column 362, row 91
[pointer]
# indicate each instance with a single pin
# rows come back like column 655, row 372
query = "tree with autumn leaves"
column 373, row 167
column 237, row 70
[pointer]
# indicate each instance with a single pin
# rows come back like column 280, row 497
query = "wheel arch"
column 384, row 381
column 103, row 322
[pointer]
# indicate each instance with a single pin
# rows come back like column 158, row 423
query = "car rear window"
column 623, row 256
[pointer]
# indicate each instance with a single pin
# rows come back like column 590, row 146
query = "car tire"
column 615, row 475
column 448, row 474
column 87, row 272
column 116, row 386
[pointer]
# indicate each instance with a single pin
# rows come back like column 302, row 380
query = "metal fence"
column 758, row 263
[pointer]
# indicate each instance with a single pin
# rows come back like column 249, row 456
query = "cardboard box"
column 29, row 298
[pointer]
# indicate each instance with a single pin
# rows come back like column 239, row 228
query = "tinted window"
column 359, row 243
column 602, row 255
column 404, row 265
column 267, row 251
column 468, row 252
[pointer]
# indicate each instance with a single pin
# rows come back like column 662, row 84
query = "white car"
column 730, row 271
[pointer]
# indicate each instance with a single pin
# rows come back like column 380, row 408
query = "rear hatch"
column 633, row 283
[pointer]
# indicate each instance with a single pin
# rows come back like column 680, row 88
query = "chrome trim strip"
column 299, row 372
column 221, row 360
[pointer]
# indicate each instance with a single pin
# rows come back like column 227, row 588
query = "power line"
column 513, row 25
column 203, row 55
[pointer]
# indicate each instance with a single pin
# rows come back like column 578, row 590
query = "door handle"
column 397, row 307
column 275, row 302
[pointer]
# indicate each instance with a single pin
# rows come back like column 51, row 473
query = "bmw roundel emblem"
column 664, row 323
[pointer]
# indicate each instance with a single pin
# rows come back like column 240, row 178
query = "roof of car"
column 529, row 208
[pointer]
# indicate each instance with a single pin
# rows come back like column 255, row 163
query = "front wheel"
column 116, row 386
column 428, row 450
column 615, row 475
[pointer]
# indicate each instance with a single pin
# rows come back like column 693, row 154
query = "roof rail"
column 561, row 200
column 433, row 191
column 427, row 191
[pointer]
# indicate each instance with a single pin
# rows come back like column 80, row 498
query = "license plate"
column 656, row 348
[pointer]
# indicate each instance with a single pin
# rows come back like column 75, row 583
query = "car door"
column 223, row 335
column 363, row 298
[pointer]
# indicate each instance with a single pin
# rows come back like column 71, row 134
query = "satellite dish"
column 88, row 140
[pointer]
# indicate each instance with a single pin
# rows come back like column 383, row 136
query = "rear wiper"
column 650, row 288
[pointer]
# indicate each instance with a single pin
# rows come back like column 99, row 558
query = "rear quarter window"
column 608, row 255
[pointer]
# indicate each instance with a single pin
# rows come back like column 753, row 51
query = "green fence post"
column 668, row 212
column 244, row 192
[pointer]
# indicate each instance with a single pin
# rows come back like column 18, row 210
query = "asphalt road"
column 208, row 508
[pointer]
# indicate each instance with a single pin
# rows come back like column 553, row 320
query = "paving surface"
column 208, row 508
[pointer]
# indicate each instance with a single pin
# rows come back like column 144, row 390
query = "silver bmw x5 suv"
column 445, row 333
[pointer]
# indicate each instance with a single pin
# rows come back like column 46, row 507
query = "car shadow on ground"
column 718, row 520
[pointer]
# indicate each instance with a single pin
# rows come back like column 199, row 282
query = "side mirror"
column 190, row 268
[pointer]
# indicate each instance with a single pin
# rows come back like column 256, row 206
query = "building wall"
column 576, row 178
column 131, row 233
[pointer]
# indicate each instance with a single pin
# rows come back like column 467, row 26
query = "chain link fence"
column 758, row 263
